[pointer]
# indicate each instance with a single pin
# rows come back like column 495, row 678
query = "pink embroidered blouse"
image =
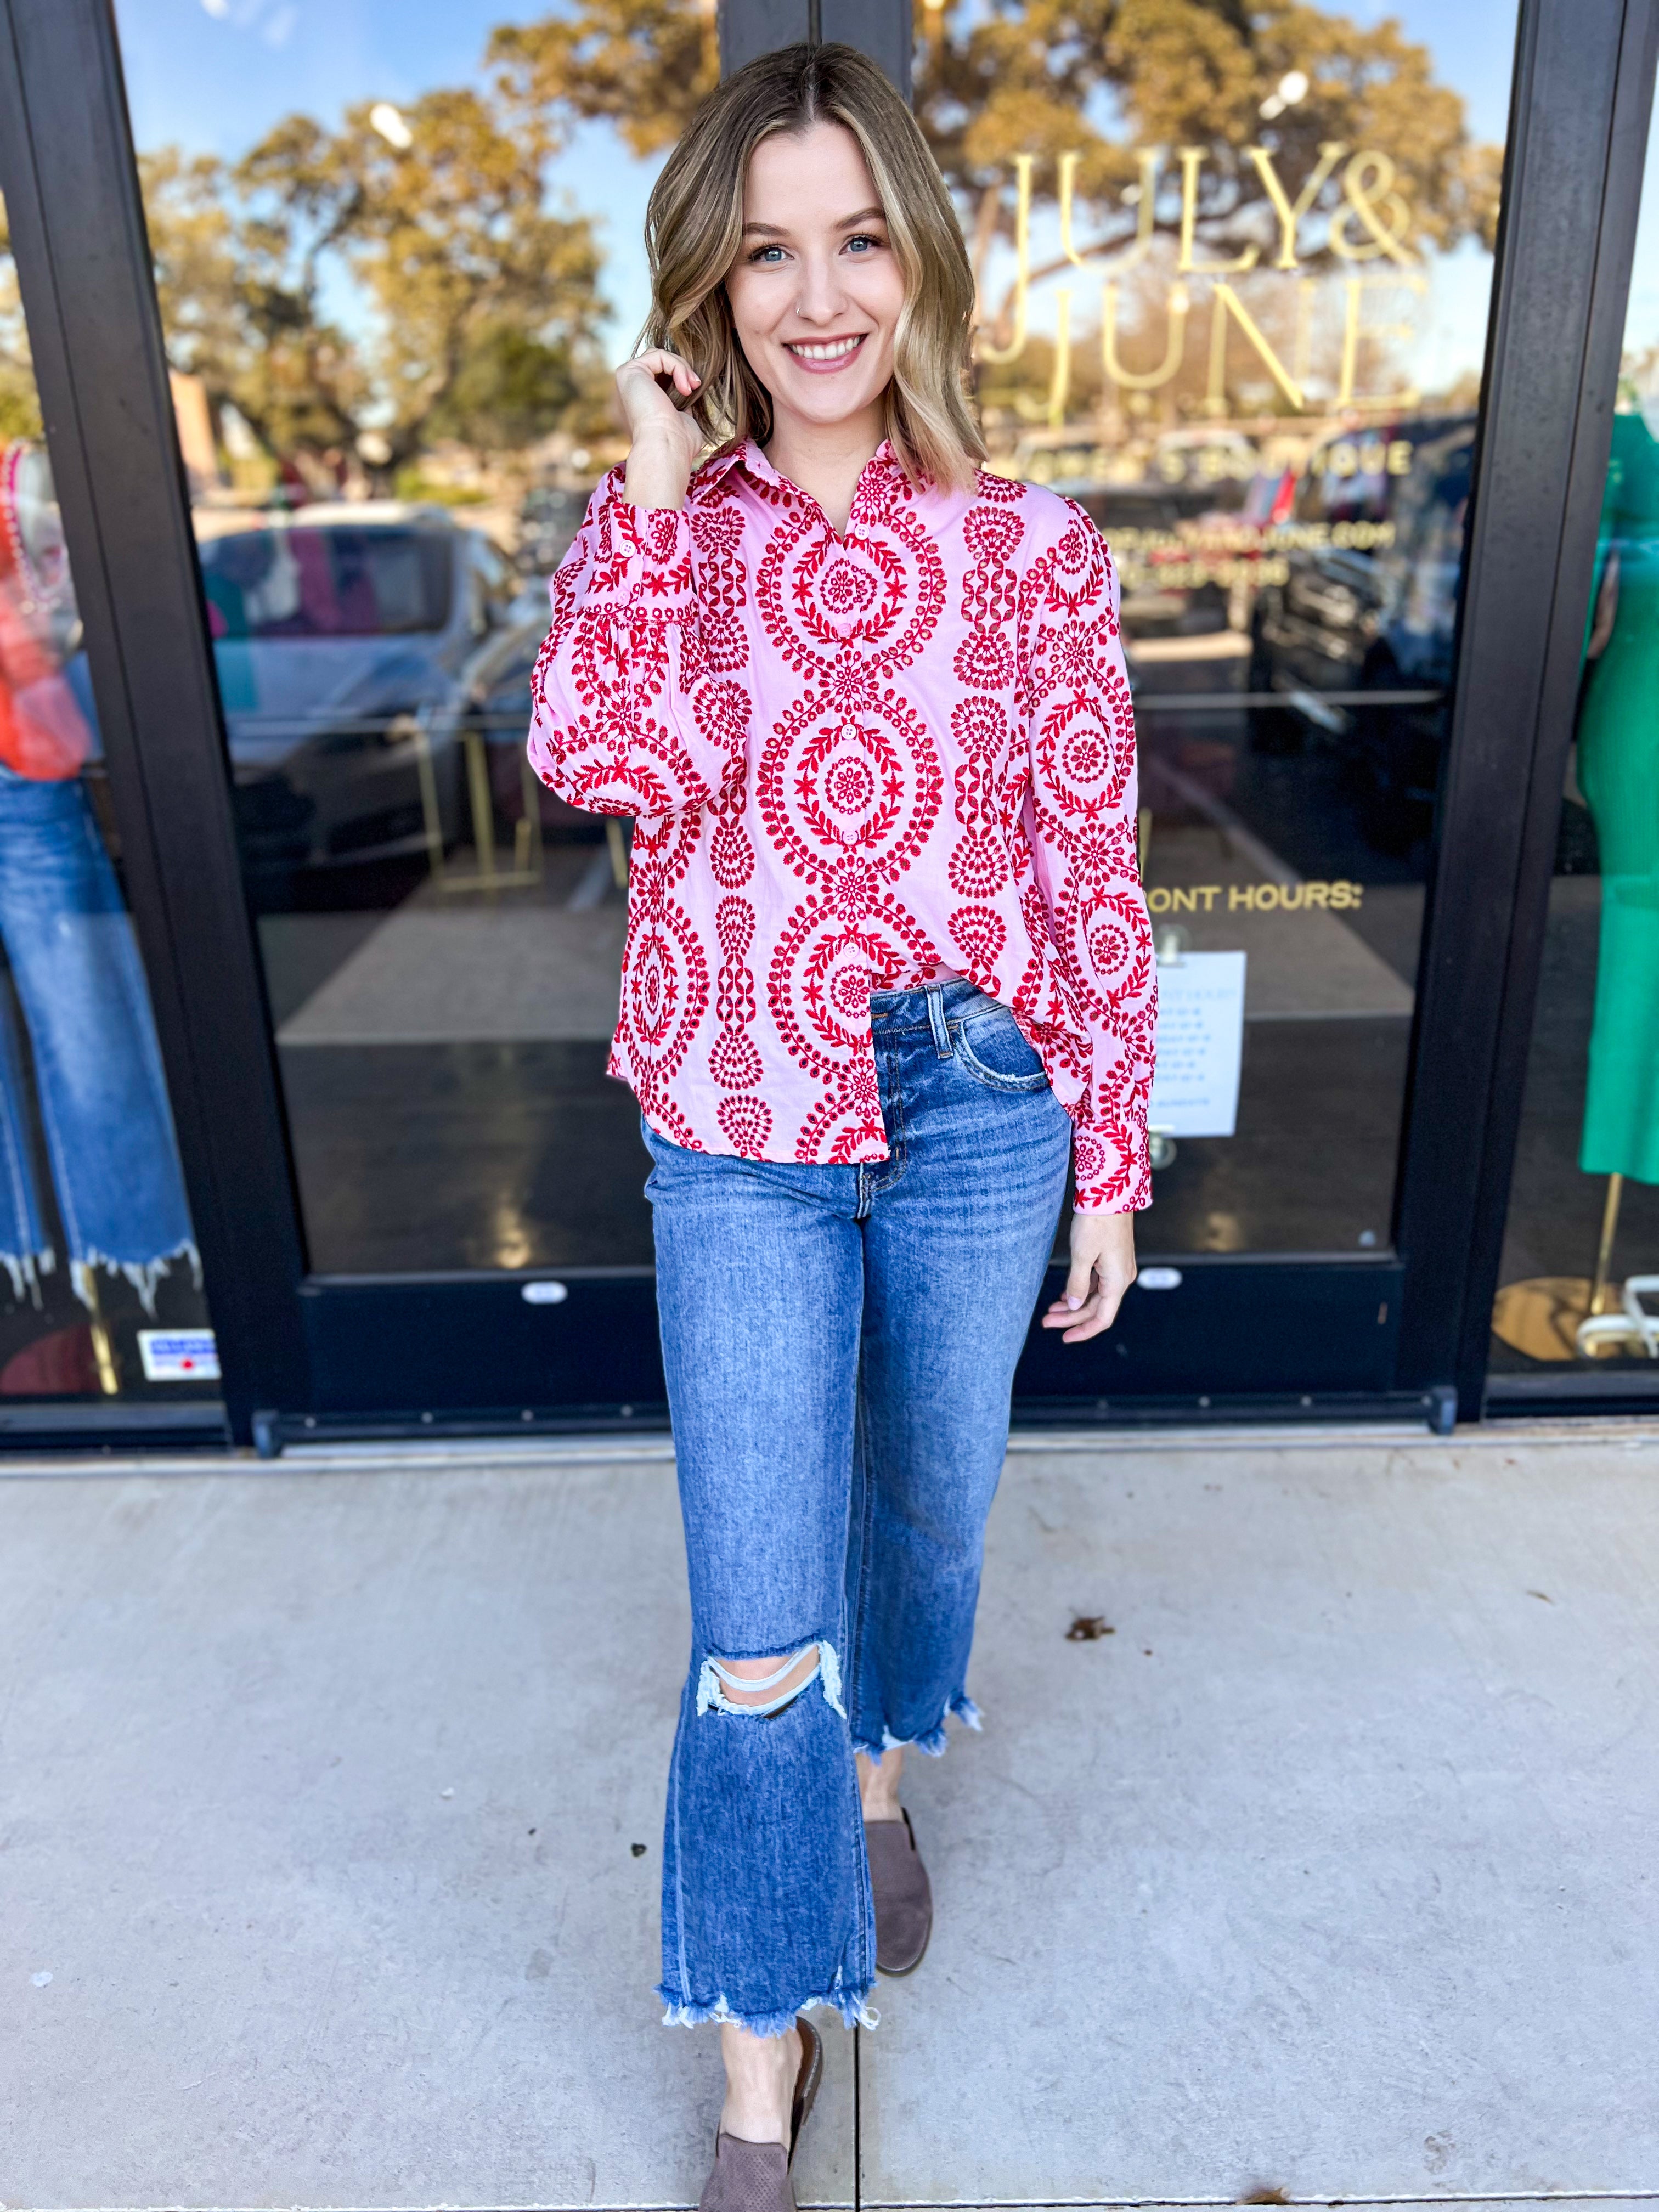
column 856, row 764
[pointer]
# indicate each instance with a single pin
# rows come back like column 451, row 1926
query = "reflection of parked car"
column 338, row 632
column 1179, row 561
column 548, row 521
column 1370, row 602
column 494, row 703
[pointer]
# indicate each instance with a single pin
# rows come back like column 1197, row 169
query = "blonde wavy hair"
column 694, row 228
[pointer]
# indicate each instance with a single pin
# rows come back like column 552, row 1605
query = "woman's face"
column 817, row 290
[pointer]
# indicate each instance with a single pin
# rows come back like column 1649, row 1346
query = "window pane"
column 101, row 1291
column 1234, row 297
column 1234, row 303
column 398, row 248
column 1580, row 1274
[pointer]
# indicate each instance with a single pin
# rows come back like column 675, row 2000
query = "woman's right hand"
column 665, row 441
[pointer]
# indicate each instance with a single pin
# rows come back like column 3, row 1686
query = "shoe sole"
column 897, row 1973
column 806, row 2082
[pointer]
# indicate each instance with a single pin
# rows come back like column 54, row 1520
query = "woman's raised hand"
column 665, row 441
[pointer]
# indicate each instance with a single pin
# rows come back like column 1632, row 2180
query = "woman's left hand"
column 1102, row 1268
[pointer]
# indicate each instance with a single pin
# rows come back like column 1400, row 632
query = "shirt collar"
column 883, row 463
column 716, row 469
column 882, row 471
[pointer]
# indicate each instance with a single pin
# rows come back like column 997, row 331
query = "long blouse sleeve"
column 1080, row 817
column 637, row 705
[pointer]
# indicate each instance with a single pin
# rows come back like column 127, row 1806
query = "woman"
column 888, row 966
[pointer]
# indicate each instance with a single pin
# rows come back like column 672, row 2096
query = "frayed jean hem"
column 852, row 2005
column 143, row 1275
column 933, row 1743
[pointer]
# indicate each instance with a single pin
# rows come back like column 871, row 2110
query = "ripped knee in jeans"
column 753, row 1689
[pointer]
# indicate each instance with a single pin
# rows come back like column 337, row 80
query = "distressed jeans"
column 97, row 1080
column 840, row 1345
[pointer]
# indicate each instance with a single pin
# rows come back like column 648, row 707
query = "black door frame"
column 302, row 1352
column 1538, row 816
column 1583, row 96
column 79, row 241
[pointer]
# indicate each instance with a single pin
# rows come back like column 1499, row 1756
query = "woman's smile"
column 825, row 355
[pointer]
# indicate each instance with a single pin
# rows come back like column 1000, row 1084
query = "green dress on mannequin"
column 1619, row 775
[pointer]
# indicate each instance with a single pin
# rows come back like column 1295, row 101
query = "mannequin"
column 98, row 1085
column 1619, row 775
column 1556, row 1317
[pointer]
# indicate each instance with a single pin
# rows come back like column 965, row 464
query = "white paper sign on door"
column 1200, row 1040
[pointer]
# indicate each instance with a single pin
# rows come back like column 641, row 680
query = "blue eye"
column 766, row 252
column 863, row 238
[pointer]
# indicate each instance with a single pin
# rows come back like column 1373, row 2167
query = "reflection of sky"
column 1642, row 316
column 215, row 75
column 1472, row 42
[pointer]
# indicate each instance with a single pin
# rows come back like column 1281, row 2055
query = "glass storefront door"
column 1578, row 1296
column 101, row 1283
column 1234, row 284
column 398, row 249
column 1236, row 304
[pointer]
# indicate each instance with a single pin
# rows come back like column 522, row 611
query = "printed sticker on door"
column 179, row 1355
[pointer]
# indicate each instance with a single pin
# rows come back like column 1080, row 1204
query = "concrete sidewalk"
column 329, row 1838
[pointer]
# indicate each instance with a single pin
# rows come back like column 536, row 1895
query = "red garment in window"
column 43, row 734
column 856, row 761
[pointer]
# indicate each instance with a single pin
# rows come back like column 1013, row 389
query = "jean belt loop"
column 935, row 995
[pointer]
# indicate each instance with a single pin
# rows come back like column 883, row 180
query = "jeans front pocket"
column 992, row 1049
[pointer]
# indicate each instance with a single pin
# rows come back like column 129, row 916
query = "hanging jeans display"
column 103, row 1101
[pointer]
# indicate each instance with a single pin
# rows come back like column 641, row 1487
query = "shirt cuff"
column 650, row 549
column 1112, row 1169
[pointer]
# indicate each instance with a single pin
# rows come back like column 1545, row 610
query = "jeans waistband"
column 891, row 1012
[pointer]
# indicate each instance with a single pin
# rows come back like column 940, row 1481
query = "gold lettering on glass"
column 1227, row 302
column 1291, row 212
column 1146, row 379
column 1024, row 164
column 1148, row 163
column 1059, row 383
column 1192, row 160
column 1301, row 343
column 1368, row 185
column 1372, row 221
column 1355, row 288
column 1257, row 898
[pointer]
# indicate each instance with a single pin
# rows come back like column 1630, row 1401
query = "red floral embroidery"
column 854, row 761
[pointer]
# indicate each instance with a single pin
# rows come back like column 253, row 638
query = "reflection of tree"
column 485, row 303
column 1103, row 77
column 1639, row 375
column 1099, row 78
column 19, row 408
column 641, row 64
column 239, row 296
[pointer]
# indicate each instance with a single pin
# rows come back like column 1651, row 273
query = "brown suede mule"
column 756, row 2177
column 904, row 1898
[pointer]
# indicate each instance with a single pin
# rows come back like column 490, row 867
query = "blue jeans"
column 97, row 1066
column 840, row 1343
